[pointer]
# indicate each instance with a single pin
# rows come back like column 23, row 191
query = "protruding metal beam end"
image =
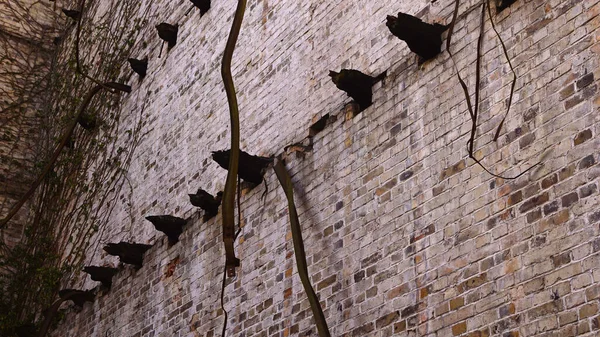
column 101, row 274
column 118, row 86
column 202, row 5
column 422, row 38
column 207, row 202
column 251, row 168
column 168, row 33
column 503, row 4
column 139, row 66
column 79, row 297
column 129, row 253
column 172, row 226
column 357, row 85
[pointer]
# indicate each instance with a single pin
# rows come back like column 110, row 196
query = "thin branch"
column 50, row 164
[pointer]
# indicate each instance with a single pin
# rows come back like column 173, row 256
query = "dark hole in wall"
column 318, row 126
column 71, row 13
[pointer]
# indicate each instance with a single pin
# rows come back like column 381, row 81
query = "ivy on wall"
column 65, row 215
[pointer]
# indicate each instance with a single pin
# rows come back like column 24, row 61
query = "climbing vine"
column 63, row 219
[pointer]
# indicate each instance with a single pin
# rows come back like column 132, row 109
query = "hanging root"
column 473, row 107
column 286, row 183
column 228, row 224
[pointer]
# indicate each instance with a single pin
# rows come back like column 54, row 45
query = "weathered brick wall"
column 404, row 235
column 26, row 32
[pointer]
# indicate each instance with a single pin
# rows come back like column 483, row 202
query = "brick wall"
column 26, row 32
column 404, row 235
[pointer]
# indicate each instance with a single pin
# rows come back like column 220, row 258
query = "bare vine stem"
column 63, row 142
column 51, row 312
column 473, row 107
column 512, row 69
column 78, row 67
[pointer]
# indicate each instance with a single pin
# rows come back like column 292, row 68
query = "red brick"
column 588, row 310
column 398, row 291
column 473, row 282
column 327, row 282
column 386, row 320
column 457, row 303
column 569, row 199
column 533, row 202
column 399, row 327
column 515, row 198
column 459, row 328
column 549, row 181
column 454, row 169
column 582, row 137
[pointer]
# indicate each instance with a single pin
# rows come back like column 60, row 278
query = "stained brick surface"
column 424, row 242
